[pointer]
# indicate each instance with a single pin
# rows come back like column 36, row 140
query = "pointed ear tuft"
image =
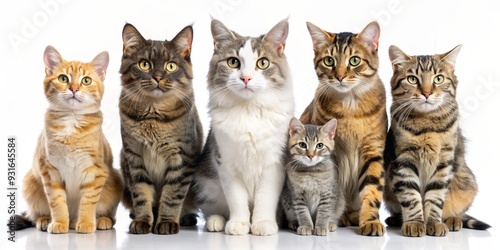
column 295, row 126
column 184, row 40
column 52, row 59
column 450, row 57
column 397, row 57
column 330, row 128
column 277, row 36
column 100, row 63
column 370, row 35
column 319, row 37
column 131, row 38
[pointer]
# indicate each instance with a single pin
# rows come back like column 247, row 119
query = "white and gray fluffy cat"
column 251, row 102
column 311, row 190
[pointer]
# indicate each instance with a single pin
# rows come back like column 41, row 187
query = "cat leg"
column 405, row 183
column 267, row 194
column 212, row 203
column 56, row 197
column 371, row 185
column 109, row 200
column 237, row 199
column 324, row 213
column 338, row 210
column 303, row 215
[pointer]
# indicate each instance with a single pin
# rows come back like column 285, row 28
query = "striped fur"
column 161, row 132
column 350, row 90
column 311, row 190
column 72, row 184
column 429, row 186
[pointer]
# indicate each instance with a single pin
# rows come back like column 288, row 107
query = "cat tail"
column 22, row 221
column 473, row 223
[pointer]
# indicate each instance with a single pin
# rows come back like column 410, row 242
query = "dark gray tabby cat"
column 429, row 186
column 311, row 189
column 161, row 132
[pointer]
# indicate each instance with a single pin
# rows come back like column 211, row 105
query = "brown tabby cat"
column 350, row 90
column 161, row 132
column 72, row 183
column 429, row 186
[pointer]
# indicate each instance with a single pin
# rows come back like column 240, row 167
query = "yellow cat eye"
column 86, row 81
column 233, row 62
column 328, row 61
column 354, row 61
column 320, row 145
column 144, row 65
column 439, row 79
column 302, row 145
column 63, row 78
column 170, row 66
column 412, row 79
column 263, row 63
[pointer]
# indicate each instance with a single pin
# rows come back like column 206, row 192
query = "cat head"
column 346, row 62
column 243, row 67
column 423, row 83
column 311, row 144
column 74, row 85
column 156, row 69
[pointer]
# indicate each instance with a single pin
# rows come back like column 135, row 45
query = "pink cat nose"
column 310, row 157
column 74, row 90
column 246, row 79
column 340, row 78
column 158, row 78
column 427, row 94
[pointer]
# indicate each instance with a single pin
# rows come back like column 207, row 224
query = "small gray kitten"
column 311, row 189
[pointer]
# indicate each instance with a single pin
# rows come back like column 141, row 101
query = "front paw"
column 215, row 223
column 454, row 224
column 58, row 227
column 321, row 230
column 374, row 228
column 42, row 223
column 413, row 229
column 437, row 229
column 304, row 230
column 166, row 227
column 139, row 227
column 85, row 227
column 237, row 227
column 332, row 227
column 265, row 227
column 104, row 223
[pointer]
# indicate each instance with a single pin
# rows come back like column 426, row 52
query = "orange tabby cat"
column 72, row 183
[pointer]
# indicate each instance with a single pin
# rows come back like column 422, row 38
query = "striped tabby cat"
column 161, row 133
column 72, row 184
column 311, row 189
column 429, row 186
column 350, row 90
column 251, row 103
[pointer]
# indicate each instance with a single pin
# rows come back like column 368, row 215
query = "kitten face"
column 156, row 68
column 246, row 66
column 346, row 61
column 310, row 144
column 73, row 86
column 423, row 83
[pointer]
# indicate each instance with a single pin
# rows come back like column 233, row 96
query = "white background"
column 79, row 30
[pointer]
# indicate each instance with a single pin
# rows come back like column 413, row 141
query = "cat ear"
column 277, row 36
column 397, row 57
column 184, row 40
column 318, row 36
column 51, row 59
column 450, row 57
column 370, row 35
column 100, row 63
column 221, row 33
column 295, row 126
column 330, row 128
column 131, row 38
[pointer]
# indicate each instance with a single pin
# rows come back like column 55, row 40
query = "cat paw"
column 42, row 223
column 85, row 227
column 332, row 227
column 237, row 227
column 58, row 228
column 265, row 227
column 437, row 229
column 104, row 223
column 344, row 221
column 139, row 227
column 413, row 229
column 215, row 223
column 166, row 227
column 321, row 230
column 293, row 225
column 304, row 230
column 374, row 228
column 454, row 224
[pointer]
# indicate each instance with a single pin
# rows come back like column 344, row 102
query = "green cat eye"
column 86, row 81
column 439, row 79
column 233, row 62
column 328, row 61
column 354, row 61
column 144, row 65
column 63, row 78
column 302, row 145
column 320, row 145
column 171, row 66
column 412, row 79
column 263, row 63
